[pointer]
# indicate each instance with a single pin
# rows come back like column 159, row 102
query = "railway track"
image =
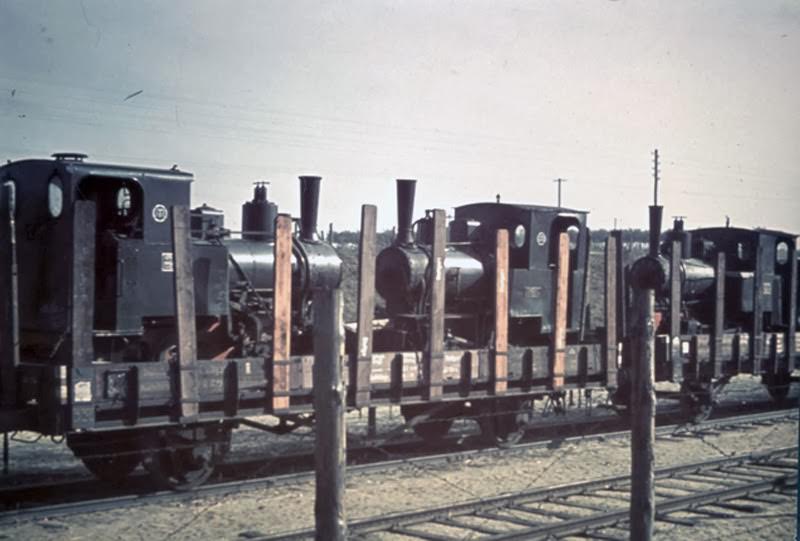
column 48, row 500
column 597, row 509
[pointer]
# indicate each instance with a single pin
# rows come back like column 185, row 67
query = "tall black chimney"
column 309, row 205
column 405, row 210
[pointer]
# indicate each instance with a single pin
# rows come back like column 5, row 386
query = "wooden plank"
column 791, row 342
column 719, row 314
column 560, row 298
column 360, row 373
column 184, row 312
column 329, row 411
column 282, row 315
column 621, row 286
column 433, row 365
column 611, row 293
column 499, row 367
column 676, row 355
column 757, row 340
column 642, row 501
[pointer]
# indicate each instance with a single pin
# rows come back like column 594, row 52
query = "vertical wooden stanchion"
column 501, row 285
column 5, row 453
column 791, row 342
column 621, row 286
column 433, row 367
column 184, row 313
column 756, row 341
column 719, row 314
column 329, row 409
column 675, row 349
column 646, row 274
column 362, row 363
column 282, row 315
column 559, row 338
column 611, row 295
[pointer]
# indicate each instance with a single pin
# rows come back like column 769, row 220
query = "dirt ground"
column 278, row 509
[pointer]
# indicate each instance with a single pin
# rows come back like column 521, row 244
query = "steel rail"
column 139, row 495
column 401, row 522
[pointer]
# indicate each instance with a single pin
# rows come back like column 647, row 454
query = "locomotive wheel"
column 434, row 428
column 778, row 386
column 185, row 459
column 110, row 457
column 503, row 423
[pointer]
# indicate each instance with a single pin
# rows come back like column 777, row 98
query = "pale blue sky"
column 471, row 98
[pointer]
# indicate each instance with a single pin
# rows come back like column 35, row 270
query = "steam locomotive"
column 145, row 331
column 89, row 334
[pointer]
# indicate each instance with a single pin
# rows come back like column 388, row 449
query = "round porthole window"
column 519, row 236
column 55, row 197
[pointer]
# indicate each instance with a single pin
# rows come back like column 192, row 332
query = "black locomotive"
column 89, row 334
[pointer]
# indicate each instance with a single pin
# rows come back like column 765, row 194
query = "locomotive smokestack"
column 656, row 212
column 309, row 205
column 405, row 210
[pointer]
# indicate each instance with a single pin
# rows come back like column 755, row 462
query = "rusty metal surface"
column 282, row 314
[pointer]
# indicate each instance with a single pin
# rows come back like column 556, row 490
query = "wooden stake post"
column 559, row 345
column 282, row 317
column 184, row 311
column 433, row 367
column 646, row 274
column 611, row 296
column 360, row 373
column 329, row 410
column 499, row 365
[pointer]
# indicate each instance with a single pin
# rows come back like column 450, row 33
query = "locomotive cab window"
column 119, row 204
column 570, row 226
column 782, row 253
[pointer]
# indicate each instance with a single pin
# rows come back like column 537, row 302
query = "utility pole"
column 656, row 211
column 559, row 181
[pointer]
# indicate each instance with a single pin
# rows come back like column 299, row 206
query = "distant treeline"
column 385, row 237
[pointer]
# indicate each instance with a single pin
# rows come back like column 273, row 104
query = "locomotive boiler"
column 404, row 270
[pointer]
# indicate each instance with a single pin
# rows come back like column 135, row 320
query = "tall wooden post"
column 499, row 366
column 611, row 298
column 433, row 366
column 184, row 313
column 278, row 371
column 329, row 409
column 560, row 300
column 646, row 274
column 361, row 366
